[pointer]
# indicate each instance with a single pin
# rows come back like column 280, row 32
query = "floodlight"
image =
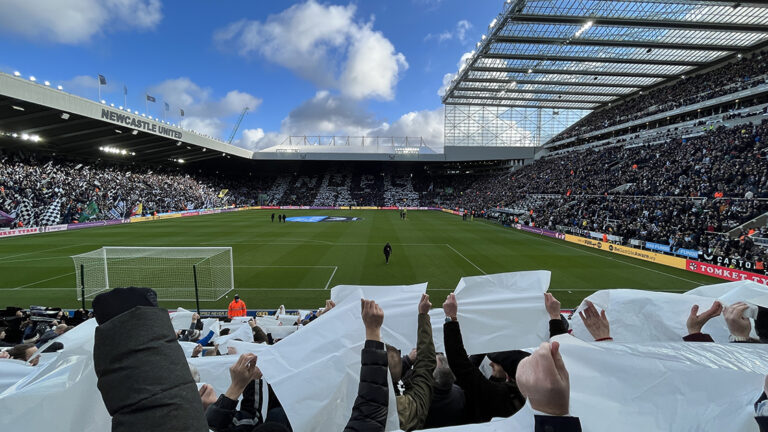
column 16, row 73
column 32, row 78
column 60, row 87
column 48, row 83
column 65, row 116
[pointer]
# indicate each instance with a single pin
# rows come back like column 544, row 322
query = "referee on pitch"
column 387, row 252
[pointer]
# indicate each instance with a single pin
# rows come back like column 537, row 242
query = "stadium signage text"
column 628, row 251
column 137, row 123
column 725, row 273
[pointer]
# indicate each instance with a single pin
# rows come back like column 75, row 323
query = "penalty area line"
column 466, row 259
column 331, row 278
column 40, row 281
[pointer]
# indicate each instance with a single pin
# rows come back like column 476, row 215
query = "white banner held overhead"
column 327, row 352
column 503, row 311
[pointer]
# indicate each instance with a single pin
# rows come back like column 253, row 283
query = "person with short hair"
column 24, row 352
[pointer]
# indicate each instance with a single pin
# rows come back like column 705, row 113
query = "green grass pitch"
column 296, row 264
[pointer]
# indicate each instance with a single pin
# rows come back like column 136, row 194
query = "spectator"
column 413, row 404
column 484, row 399
column 369, row 413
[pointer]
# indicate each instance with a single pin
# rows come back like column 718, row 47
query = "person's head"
column 237, row 297
column 224, row 332
column 2, row 333
column 443, row 376
column 23, row 351
column 504, row 364
column 61, row 329
column 395, row 360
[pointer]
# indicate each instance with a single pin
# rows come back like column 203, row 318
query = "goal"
column 175, row 273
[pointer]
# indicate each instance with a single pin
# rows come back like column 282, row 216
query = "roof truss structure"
column 582, row 54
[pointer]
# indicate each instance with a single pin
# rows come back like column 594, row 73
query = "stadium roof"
column 581, row 54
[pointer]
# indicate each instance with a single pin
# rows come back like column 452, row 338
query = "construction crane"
column 237, row 125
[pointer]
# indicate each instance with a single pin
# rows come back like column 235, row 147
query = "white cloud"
column 257, row 139
column 447, row 79
column 76, row 21
column 329, row 115
column 323, row 44
column 81, row 83
column 427, row 124
column 203, row 112
column 459, row 32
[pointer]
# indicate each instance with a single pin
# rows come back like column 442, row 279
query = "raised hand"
column 373, row 318
column 596, row 323
column 207, row 396
column 734, row 317
column 696, row 321
column 242, row 372
column 552, row 305
column 424, row 304
column 450, row 306
column 543, row 379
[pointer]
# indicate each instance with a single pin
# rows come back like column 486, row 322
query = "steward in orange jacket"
column 236, row 308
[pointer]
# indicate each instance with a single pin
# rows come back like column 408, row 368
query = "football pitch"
column 296, row 264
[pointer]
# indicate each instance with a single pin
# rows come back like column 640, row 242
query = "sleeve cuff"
column 226, row 403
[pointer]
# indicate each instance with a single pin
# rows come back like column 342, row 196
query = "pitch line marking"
column 44, row 280
column 563, row 243
column 41, row 251
column 331, row 278
column 466, row 259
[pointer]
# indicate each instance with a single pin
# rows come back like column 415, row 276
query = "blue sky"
column 338, row 67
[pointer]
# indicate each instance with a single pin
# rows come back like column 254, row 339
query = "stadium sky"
column 310, row 67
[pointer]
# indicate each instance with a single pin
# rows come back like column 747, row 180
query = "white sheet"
column 316, row 371
column 503, row 311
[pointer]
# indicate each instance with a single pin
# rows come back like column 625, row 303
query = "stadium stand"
column 732, row 77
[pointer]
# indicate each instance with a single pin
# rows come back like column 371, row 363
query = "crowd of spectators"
column 745, row 73
column 31, row 184
column 681, row 192
column 146, row 383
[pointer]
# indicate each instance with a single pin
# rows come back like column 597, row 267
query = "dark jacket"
column 413, row 404
column 143, row 376
column 557, row 424
column 369, row 414
column 484, row 399
column 223, row 415
column 557, row 327
column 447, row 408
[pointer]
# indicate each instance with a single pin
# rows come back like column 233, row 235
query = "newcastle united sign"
column 139, row 123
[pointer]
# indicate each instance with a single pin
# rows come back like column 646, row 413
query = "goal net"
column 175, row 273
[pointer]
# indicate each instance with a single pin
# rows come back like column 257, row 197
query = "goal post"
column 175, row 273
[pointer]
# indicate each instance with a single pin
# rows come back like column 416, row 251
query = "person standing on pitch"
column 387, row 252
column 273, row 218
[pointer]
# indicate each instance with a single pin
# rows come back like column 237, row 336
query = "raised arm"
column 418, row 394
column 369, row 413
